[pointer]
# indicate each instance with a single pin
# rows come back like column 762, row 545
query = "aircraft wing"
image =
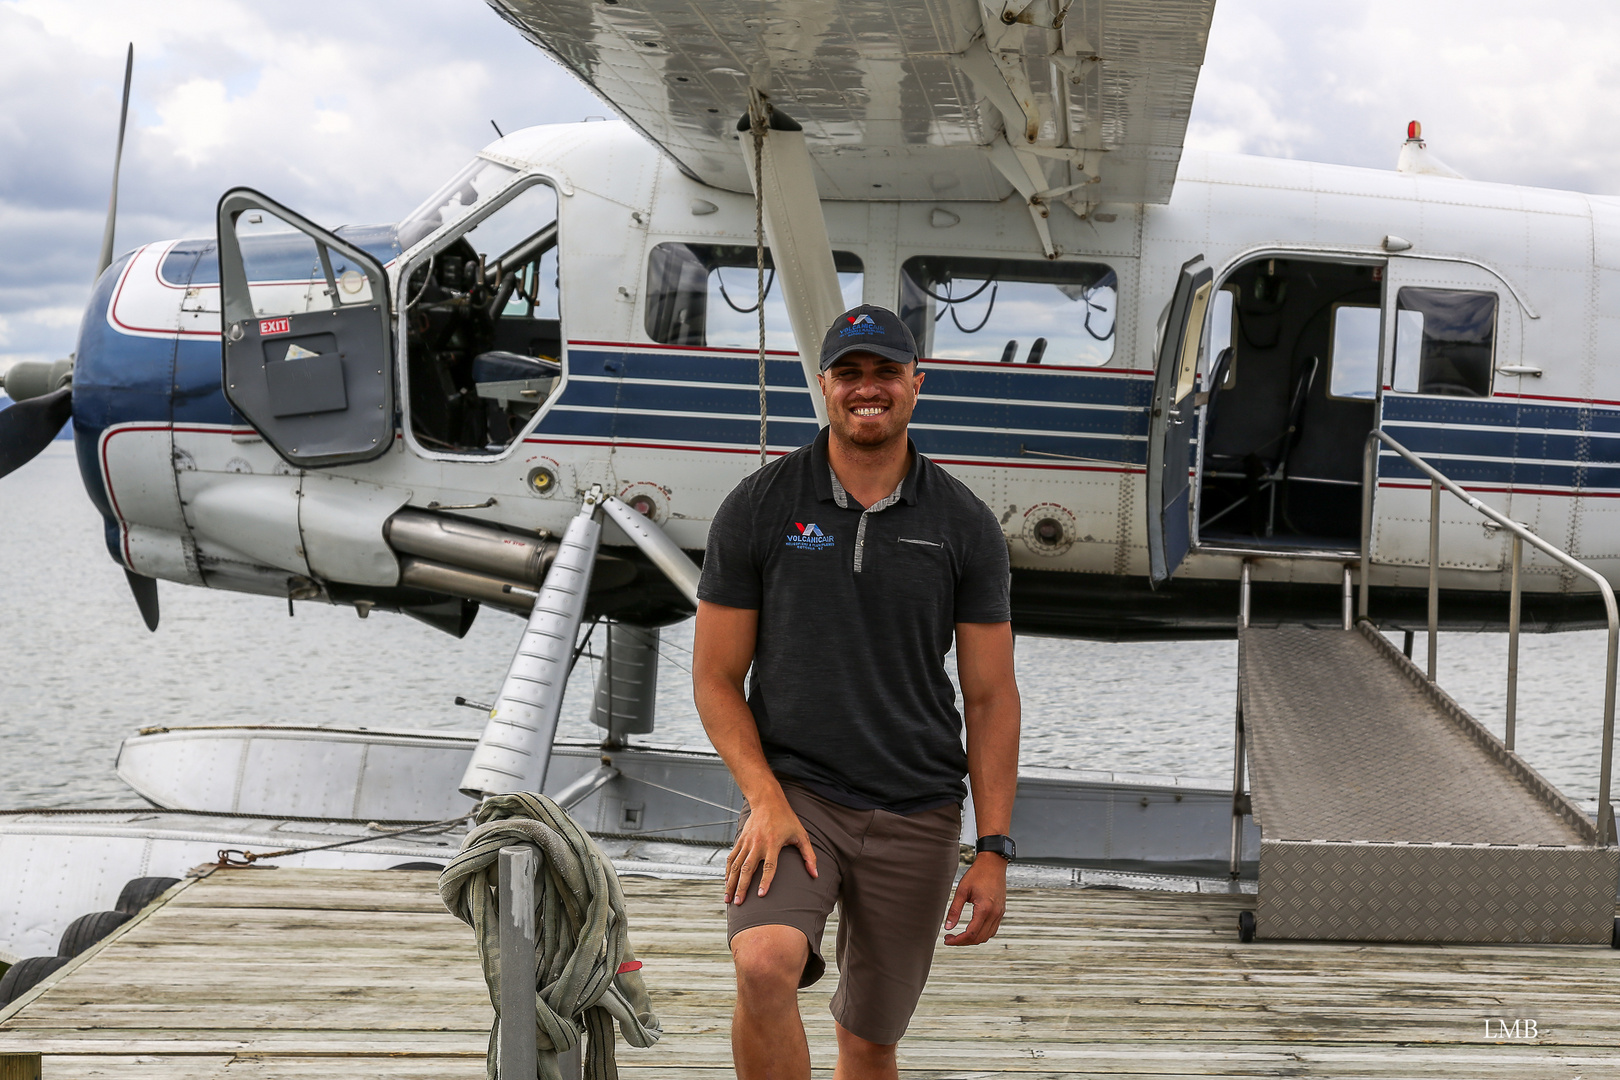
column 1081, row 100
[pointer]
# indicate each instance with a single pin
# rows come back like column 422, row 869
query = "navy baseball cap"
column 872, row 329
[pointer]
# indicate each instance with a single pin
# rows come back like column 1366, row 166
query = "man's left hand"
column 985, row 887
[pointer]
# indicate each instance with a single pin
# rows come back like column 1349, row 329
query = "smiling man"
column 840, row 574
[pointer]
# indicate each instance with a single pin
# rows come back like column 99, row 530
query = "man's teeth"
column 870, row 410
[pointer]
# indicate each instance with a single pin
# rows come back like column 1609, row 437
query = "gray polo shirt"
column 857, row 609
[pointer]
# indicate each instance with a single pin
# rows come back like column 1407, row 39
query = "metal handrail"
column 1438, row 480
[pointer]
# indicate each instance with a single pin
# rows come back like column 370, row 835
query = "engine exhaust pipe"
column 454, row 581
column 503, row 556
column 479, row 562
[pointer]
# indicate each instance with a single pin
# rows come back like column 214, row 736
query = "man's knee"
column 769, row 959
column 862, row 1052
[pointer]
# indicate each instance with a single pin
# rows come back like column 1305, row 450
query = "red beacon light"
column 1416, row 159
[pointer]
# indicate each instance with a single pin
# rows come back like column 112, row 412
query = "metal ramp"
column 1388, row 813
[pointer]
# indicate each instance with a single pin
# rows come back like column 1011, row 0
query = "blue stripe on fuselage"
column 991, row 412
column 1501, row 413
column 1027, row 382
column 1505, row 441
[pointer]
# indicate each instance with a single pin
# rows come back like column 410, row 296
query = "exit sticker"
column 274, row 326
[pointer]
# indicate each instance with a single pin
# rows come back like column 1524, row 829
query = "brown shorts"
column 891, row 876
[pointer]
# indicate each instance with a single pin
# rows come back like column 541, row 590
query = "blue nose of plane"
column 117, row 378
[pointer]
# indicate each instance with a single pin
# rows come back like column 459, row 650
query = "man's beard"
column 859, row 434
column 868, row 438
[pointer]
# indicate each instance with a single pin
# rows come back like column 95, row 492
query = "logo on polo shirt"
column 809, row 537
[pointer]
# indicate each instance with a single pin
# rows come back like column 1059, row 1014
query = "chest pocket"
column 921, row 569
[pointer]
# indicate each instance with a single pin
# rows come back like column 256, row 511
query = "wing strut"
column 797, row 235
column 655, row 543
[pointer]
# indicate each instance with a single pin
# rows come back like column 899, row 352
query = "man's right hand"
column 722, row 651
column 771, row 826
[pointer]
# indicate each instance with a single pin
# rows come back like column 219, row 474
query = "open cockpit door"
column 308, row 349
column 1170, row 423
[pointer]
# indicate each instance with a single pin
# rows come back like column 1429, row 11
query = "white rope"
column 758, row 120
column 579, row 912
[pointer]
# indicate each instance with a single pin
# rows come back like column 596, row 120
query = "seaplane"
column 1202, row 393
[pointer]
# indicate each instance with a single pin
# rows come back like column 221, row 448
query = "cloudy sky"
column 353, row 111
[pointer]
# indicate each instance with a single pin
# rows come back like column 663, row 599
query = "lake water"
column 79, row 672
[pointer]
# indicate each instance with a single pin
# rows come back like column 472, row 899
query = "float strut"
column 515, row 749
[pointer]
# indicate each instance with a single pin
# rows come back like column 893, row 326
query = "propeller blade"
column 118, row 157
column 27, row 427
column 146, row 598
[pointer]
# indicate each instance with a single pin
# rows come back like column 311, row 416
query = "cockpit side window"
column 707, row 295
column 1010, row 310
column 1445, row 342
column 483, row 323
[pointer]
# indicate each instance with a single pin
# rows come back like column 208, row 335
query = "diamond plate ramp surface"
column 1344, row 747
column 1388, row 813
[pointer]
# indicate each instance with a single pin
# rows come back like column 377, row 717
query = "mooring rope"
column 758, row 119
column 248, row 858
column 586, row 975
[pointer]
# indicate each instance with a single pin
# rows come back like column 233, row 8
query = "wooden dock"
column 318, row 973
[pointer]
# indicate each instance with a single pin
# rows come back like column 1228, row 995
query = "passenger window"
column 484, row 331
column 706, row 295
column 1221, row 336
column 1445, row 342
column 1353, row 352
column 1009, row 310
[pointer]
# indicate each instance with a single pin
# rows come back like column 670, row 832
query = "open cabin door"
column 308, row 349
column 1170, row 427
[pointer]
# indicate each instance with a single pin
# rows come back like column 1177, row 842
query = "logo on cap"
column 860, row 325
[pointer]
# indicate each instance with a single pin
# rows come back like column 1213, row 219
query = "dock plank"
column 299, row 973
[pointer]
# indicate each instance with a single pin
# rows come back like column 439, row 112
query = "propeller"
column 144, row 590
column 28, row 427
column 43, row 392
column 118, row 158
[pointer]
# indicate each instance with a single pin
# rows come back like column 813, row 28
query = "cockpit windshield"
column 470, row 187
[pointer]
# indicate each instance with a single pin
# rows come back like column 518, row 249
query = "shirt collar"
column 827, row 488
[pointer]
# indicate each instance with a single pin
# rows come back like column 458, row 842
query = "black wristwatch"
column 998, row 845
